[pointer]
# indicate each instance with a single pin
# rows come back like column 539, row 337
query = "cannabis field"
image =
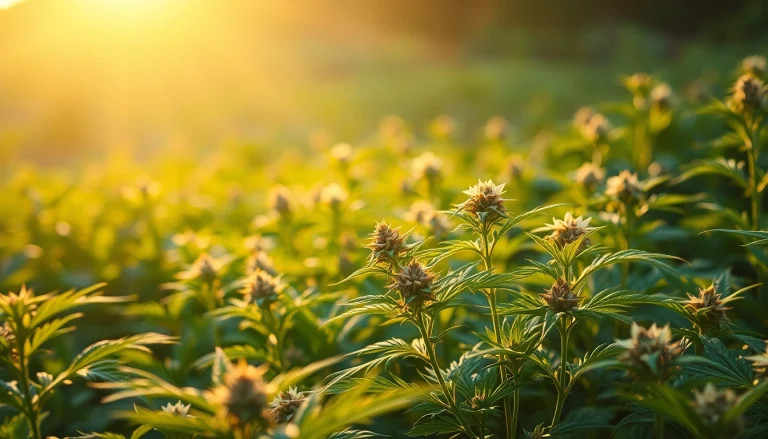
column 601, row 275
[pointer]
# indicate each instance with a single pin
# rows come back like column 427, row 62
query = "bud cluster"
column 712, row 403
column 242, row 396
column 592, row 125
column 261, row 288
column 569, row 230
column 708, row 308
column 624, row 187
column 285, row 405
column 650, row 351
column 414, row 283
column 748, row 95
column 560, row 298
column 485, row 201
column 386, row 244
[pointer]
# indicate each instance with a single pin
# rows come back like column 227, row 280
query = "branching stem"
column 510, row 412
column 449, row 396
column 562, row 388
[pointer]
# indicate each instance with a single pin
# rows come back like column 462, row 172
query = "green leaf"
column 523, row 304
column 630, row 255
column 603, row 356
column 728, row 367
column 746, row 401
column 144, row 384
column 586, row 418
column 673, row 404
column 354, row 434
column 50, row 330
column 513, row 221
column 448, row 249
column 375, row 304
column 760, row 236
column 614, row 303
column 370, row 269
column 387, row 352
column 354, row 407
column 727, row 168
column 95, row 353
column 435, row 424
column 198, row 424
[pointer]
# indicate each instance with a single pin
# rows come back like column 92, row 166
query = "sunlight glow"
column 5, row 4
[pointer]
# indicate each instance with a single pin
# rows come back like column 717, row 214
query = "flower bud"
column 590, row 175
column 708, row 308
column 261, row 288
column 748, row 95
column 485, row 201
column 242, row 396
column 280, row 200
column 624, row 187
column 560, row 298
column 755, row 65
column 568, row 230
column 712, row 404
column 414, row 283
column 285, row 405
column 651, row 351
column 386, row 243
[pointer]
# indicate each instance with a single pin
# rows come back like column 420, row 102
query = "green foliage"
column 468, row 315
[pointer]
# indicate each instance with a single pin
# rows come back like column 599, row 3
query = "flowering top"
column 592, row 125
column 639, row 83
column 748, row 95
column 560, row 298
column 426, row 166
column 414, row 283
column 485, row 201
column 424, row 213
column 568, row 230
column 281, row 200
column 333, row 196
column 754, row 65
column 712, row 403
column 177, row 409
column 205, row 268
column 285, row 405
column 260, row 260
column 243, row 395
column 590, row 175
column 708, row 307
column 624, row 187
column 341, row 153
column 661, row 96
column 650, row 351
column 261, row 288
column 387, row 244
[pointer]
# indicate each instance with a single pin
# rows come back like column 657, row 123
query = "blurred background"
column 79, row 78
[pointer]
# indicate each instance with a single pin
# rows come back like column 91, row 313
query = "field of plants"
column 604, row 280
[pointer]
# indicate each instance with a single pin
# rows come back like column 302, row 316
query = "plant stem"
column 274, row 328
column 754, row 195
column 30, row 409
column 425, row 334
column 562, row 390
column 515, row 408
column 491, row 293
column 658, row 423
